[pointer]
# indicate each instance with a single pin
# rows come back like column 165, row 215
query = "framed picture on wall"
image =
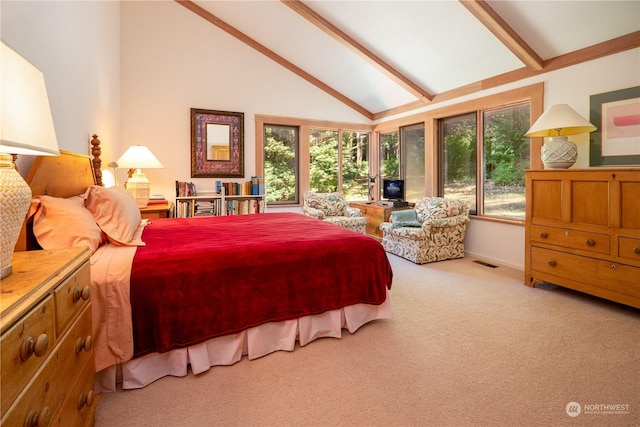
column 616, row 141
column 217, row 144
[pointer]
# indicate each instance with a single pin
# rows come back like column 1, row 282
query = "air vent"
column 486, row 264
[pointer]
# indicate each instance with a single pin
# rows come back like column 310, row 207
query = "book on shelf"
column 253, row 187
column 245, row 206
column 257, row 185
column 185, row 189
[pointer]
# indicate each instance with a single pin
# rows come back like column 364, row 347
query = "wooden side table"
column 157, row 211
column 376, row 215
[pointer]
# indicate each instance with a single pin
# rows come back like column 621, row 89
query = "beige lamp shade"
column 27, row 124
column 560, row 120
column 138, row 157
column 26, row 128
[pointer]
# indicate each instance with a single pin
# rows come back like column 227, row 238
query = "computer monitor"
column 393, row 189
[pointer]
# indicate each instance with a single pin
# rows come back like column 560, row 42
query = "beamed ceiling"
column 387, row 57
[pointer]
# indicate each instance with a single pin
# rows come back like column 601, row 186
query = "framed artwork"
column 217, row 144
column 616, row 141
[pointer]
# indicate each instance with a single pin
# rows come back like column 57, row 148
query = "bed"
column 192, row 293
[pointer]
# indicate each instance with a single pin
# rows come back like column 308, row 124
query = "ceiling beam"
column 203, row 13
column 351, row 44
column 590, row 53
column 494, row 23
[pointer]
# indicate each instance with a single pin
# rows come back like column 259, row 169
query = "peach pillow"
column 64, row 223
column 116, row 212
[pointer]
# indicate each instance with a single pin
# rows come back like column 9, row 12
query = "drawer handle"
column 613, row 266
column 552, row 263
column 83, row 293
column 544, row 234
column 590, row 242
column 86, row 399
column 36, row 346
column 84, row 344
column 38, row 419
column 636, row 250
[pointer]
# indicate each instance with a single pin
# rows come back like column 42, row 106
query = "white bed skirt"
column 227, row 350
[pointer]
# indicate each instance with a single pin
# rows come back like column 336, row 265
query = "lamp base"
column 15, row 197
column 139, row 187
column 559, row 153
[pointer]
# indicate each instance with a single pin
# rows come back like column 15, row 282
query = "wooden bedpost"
column 96, row 161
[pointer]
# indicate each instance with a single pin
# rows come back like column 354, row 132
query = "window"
column 458, row 158
column 412, row 161
column 281, row 163
column 323, row 160
column 355, row 165
column 299, row 155
column 505, row 158
column 324, row 164
column 487, row 147
column 389, row 166
column 402, row 157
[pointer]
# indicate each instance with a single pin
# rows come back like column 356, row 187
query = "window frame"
column 303, row 165
column 296, row 167
column 534, row 94
column 480, row 176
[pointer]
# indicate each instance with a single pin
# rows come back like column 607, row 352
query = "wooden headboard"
column 66, row 175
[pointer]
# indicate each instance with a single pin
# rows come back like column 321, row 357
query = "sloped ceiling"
column 385, row 57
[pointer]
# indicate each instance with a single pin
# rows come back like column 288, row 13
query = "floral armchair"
column 433, row 231
column 333, row 208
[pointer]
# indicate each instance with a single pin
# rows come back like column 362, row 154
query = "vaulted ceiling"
column 385, row 57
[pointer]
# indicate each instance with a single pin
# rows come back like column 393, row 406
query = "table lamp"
column 556, row 123
column 26, row 128
column 135, row 159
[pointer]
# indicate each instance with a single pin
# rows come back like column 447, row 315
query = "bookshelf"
column 219, row 204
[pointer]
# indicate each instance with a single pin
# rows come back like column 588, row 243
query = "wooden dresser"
column 583, row 231
column 46, row 345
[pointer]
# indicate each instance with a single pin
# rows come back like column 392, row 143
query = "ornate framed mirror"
column 217, row 144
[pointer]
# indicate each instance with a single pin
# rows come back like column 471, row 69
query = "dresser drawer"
column 71, row 296
column 629, row 248
column 79, row 407
column 45, row 394
column 619, row 278
column 27, row 336
column 586, row 241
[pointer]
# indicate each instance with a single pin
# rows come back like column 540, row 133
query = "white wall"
column 77, row 47
column 173, row 60
column 170, row 60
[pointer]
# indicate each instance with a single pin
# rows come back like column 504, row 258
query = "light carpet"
column 468, row 345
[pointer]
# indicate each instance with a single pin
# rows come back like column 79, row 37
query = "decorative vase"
column 559, row 153
column 15, row 197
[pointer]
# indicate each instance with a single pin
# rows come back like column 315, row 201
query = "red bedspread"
column 200, row 278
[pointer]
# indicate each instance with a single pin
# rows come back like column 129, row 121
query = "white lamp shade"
column 139, row 157
column 27, row 124
column 560, row 120
column 26, row 127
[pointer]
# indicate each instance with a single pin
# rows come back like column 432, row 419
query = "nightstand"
column 46, row 344
column 376, row 215
column 157, row 211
